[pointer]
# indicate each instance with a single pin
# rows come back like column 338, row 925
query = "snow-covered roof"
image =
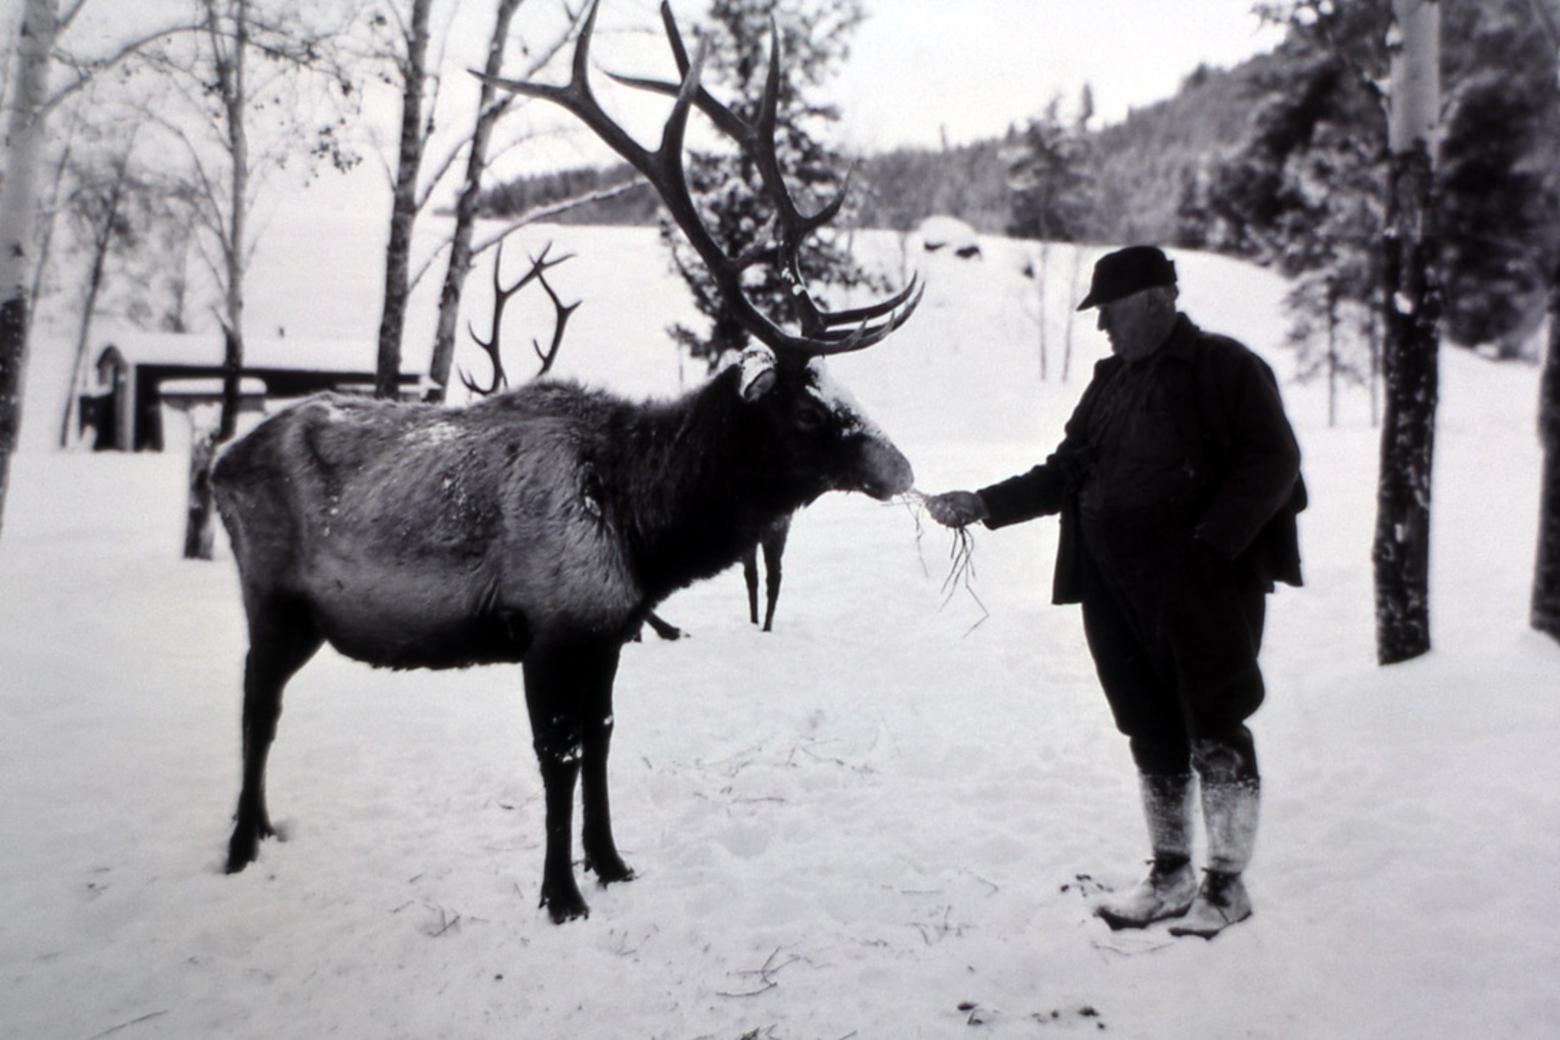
column 290, row 352
column 937, row 230
column 176, row 389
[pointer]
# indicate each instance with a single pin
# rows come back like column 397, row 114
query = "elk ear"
column 758, row 372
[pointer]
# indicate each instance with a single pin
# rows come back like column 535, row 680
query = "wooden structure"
column 138, row 377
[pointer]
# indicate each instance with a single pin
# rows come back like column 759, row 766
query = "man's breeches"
column 1175, row 630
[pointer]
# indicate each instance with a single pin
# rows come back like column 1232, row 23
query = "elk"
column 539, row 526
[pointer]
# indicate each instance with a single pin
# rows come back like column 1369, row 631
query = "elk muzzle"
column 883, row 471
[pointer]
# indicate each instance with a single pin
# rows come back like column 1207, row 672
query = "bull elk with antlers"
column 542, row 524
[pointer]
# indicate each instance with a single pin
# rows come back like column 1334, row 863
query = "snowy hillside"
column 885, row 819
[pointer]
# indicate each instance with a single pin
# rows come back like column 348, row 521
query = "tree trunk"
column 488, row 112
column 403, row 214
column 231, row 80
column 1072, row 313
column 235, row 99
column 1373, row 333
column 1546, row 570
column 1332, row 353
column 49, row 216
column 1411, row 313
column 1042, row 277
column 83, row 339
column 102, row 242
column 199, row 530
column 23, row 149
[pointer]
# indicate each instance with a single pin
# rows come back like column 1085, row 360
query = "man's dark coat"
column 1242, row 461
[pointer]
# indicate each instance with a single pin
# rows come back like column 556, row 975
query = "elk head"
column 817, row 431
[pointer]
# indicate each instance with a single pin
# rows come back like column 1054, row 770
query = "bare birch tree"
column 102, row 206
column 1412, row 310
column 212, row 71
column 23, row 146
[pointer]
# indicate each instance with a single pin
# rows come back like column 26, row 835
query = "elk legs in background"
column 773, row 546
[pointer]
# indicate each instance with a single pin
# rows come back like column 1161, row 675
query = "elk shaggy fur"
column 538, row 526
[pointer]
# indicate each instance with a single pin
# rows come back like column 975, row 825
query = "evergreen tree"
column 814, row 40
column 1306, row 196
column 1048, row 177
column 1501, row 196
column 1498, row 178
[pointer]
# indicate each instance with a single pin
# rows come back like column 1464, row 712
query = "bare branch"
column 87, row 69
column 553, row 209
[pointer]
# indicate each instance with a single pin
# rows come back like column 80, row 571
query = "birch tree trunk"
column 1546, row 569
column 1411, row 312
column 23, row 150
column 403, row 214
column 1545, row 614
column 234, row 97
column 488, row 111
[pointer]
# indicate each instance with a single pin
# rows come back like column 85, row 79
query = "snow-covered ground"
column 882, row 820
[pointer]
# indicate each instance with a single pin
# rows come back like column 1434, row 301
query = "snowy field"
column 883, row 820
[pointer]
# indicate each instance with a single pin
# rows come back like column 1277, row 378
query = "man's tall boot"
column 1171, row 885
column 1230, row 811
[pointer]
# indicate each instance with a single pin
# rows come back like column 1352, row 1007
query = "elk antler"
column 501, row 295
column 822, row 331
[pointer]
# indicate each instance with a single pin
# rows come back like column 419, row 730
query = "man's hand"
column 956, row 508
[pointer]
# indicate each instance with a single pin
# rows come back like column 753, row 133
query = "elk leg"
column 774, row 549
column 750, row 575
column 282, row 638
column 601, row 854
column 558, row 740
column 663, row 628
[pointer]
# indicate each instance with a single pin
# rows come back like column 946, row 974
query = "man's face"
column 1135, row 325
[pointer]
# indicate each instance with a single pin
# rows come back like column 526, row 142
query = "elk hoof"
column 570, row 909
column 610, row 870
column 242, row 851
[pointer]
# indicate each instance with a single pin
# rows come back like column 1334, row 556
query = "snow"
column 881, row 820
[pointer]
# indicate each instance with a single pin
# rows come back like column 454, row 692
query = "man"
column 1177, row 481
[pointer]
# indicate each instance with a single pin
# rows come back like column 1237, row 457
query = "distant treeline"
column 1140, row 168
column 896, row 189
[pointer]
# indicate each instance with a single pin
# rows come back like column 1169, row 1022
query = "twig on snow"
column 446, row 922
column 766, row 975
column 127, row 1025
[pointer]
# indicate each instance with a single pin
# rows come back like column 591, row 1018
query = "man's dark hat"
column 1127, row 271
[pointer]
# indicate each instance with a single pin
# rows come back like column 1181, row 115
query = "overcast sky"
column 974, row 66
column 920, row 70
column 968, row 68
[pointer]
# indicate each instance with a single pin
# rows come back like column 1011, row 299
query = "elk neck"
column 692, row 490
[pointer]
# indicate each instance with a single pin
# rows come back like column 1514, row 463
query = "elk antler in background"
column 501, row 295
column 822, row 332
